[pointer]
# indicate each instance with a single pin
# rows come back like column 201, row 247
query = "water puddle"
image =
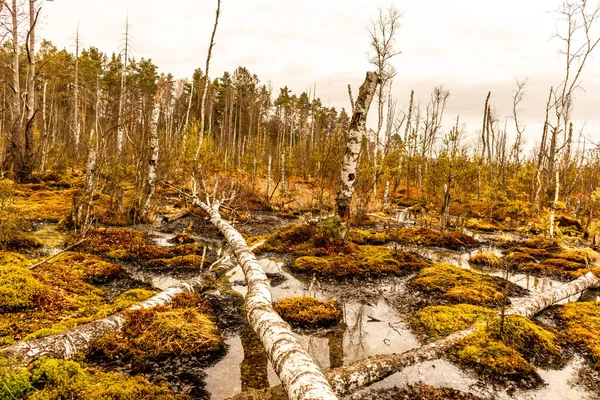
column 51, row 238
column 371, row 326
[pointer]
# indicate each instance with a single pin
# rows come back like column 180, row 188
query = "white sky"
column 469, row 46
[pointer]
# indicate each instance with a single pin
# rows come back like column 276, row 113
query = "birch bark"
column 358, row 127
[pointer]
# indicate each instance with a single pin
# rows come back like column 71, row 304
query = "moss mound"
column 439, row 321
column 494, row 360
column 537, row 345
column 515, row 258
column 59, row 379
column 428, row 237
column 487, row 259
column 182, row 329
column 127, row 245
column 308, row 312
column 20, row 289
column 583, row 327
column 94, row 269
column 484, row 225
column 506, row 355
column 53, row 297
column 189, row 261
column 174, row 332
column 320, row 239
column 360, row 236
column 455, row 285
column 368, row 261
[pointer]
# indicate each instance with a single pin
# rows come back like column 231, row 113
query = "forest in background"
column 90, row 100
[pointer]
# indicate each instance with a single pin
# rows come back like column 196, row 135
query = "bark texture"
column 356, row 131
column 298, row 373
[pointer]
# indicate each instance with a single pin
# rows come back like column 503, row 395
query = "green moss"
column 494, row 360
column 367, row 261
column 20, row 289
column 535, row 344
column 507, row 354
column 362, row 237
column 440, row 321
column 484, row 225
column 162, row 332
column 308, row 312
column 14, row 384
column 359, row 236
column 95, row 269
column 129, row 245
column 582, row 321
column 189, row 261
column 457, row 285
column 51, row 379
column 309, row 240
column 515, row 258
column 487, row 259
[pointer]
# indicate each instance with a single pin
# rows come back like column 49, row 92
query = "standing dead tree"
column 207, row 82
column 382, row 36
column 356, row 132
column 579, row 41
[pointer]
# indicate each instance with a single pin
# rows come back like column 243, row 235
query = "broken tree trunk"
column 356, row 131
column 299, row 375
column 79, row 339
column 373, row 369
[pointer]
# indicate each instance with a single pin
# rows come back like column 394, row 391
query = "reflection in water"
column 51, row 239
column 253, row 368
column 371, row 329
column 336, row 347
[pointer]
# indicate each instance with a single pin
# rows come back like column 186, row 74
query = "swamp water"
column 371, row 326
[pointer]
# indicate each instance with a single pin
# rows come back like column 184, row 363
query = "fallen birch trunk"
column 66, row 344
column 300, row 376
column 345, row 380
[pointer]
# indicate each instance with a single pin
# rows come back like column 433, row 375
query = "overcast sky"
column 469, row 46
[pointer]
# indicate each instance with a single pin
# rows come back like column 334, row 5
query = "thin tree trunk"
column 76, row 122
column 15, row 134
column 386, row 195
column 554, row 204
column 153, row 159
column 44, row 150
column 120, row 133
column 356, row 131
column 283, row 182
column 207, row 82
column 269, row 179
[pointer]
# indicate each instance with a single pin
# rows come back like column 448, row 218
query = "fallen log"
column 345, row 380
column 300, row 376
column 67, row 344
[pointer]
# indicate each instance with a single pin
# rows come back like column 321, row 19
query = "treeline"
column 89, row 103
